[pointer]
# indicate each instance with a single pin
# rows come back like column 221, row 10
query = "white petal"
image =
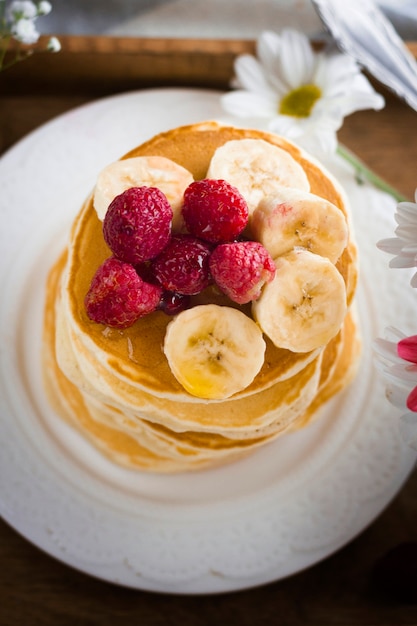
column 353, row 101
column 391, row 245
column 268, row 52
column 268, row 47
column 397, row 396
column 287, row 126
column 248, row 104
column 413, row 281
column 406, row 254
column 407, row 232
column 407, row 209
column 334, row 72
column 404, row 218
column 404, row 373
column 320, row 132
column 410, row 249
column 250, row 75
column 326, row 142
column 305, row 133
column 402, row 262
column 384, row 369
column 347, row 86
column 297, row 59
column 387, row 350
column 390, row 377
column 326, row 117
column 393, row 334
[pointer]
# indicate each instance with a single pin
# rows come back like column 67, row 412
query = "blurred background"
column 243, row 19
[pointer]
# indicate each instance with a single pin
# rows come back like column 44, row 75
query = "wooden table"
column 35, row 588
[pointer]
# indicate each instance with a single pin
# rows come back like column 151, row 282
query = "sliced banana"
column 214, row 351
column 289, row 218
column 256, row 168
column 153, row 171
column 305, row 305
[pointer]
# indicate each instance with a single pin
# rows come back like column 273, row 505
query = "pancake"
column 116, row 386
column 125, row 353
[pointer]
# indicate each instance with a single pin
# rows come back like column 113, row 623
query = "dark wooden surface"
column 343, row 590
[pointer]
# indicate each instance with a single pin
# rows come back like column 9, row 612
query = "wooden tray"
column 88, row 63
column 90, row 67
column 337, row 590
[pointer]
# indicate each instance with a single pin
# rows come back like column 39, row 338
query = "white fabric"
column 241, row 19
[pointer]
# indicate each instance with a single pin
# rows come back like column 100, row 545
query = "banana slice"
column 214, row 351
column 154, row 171
column 305, row 305
column 256, row 168
column 290, row 218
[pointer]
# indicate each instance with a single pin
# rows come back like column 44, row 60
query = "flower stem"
column 364, row 173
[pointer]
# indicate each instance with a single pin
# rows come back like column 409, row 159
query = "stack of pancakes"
column 116, row 386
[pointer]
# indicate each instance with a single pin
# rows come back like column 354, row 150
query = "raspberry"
column 183, row 265
column 118, row 296
column 137, row 225
column 240, row 269
column 172, row 303
column 146, row 273
column 214, row 210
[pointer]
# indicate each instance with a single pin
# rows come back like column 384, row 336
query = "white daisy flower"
column 298, row 93
column 404, row 245
column 396, row 359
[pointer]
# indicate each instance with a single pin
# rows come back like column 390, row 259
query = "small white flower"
column 24, row 30
column 18, row 22
column 404, row 244
column 54, row 45
column 44, row 8
column 22, row 9
column 298, row 93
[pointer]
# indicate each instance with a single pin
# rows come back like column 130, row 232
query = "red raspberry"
column 146, row 273
column 137, row 225
column 183, row 265
column 173, row 303
column 240, row 269
column 118, row 296
column 214, row 210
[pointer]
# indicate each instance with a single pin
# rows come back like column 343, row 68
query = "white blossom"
column 22, row 9
column 54, row 45
column 44, row 7
column 24, row 30
column 299, row 93
column 17, row 23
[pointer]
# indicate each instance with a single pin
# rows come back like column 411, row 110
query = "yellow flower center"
column 299, row 102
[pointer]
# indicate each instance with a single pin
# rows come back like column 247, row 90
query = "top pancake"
column 135, row 354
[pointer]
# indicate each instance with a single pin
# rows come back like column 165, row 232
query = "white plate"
column 286, row 507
